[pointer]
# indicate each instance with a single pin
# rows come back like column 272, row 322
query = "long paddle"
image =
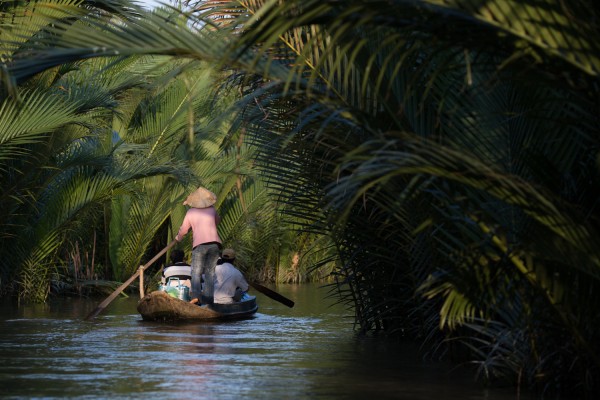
column 272, row 294
column 114, row 294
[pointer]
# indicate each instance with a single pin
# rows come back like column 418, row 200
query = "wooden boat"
column 156, row 306
column 160, row 306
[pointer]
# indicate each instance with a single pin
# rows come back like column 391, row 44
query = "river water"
column 309, row 351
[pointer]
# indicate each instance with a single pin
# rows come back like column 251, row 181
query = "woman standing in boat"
column 203, row 219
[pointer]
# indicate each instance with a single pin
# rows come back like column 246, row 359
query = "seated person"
column 230, row 284
column 177, row 269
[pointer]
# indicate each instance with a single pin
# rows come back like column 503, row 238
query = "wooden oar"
column 272, row 294
column 114, row 294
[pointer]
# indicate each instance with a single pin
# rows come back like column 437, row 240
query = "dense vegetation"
column 443, row 155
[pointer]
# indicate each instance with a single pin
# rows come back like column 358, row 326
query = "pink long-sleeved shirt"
column 203, row 222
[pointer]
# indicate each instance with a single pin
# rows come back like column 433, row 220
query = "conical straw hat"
column 201, row 198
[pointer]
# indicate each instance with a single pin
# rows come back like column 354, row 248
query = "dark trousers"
column 204, row 260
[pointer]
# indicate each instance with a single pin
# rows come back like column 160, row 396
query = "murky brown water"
column 309, row 351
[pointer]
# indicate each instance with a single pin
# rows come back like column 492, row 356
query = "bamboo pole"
column 114, row 294
column 141, row 281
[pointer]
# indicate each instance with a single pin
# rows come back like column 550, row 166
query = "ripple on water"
column 309, row 351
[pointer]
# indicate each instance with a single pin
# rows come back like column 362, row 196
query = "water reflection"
column 309, row 351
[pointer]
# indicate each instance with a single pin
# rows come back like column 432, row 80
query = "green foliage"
column 450, row 148
column 111, row 145
column 60, row 164
column 441, row 154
